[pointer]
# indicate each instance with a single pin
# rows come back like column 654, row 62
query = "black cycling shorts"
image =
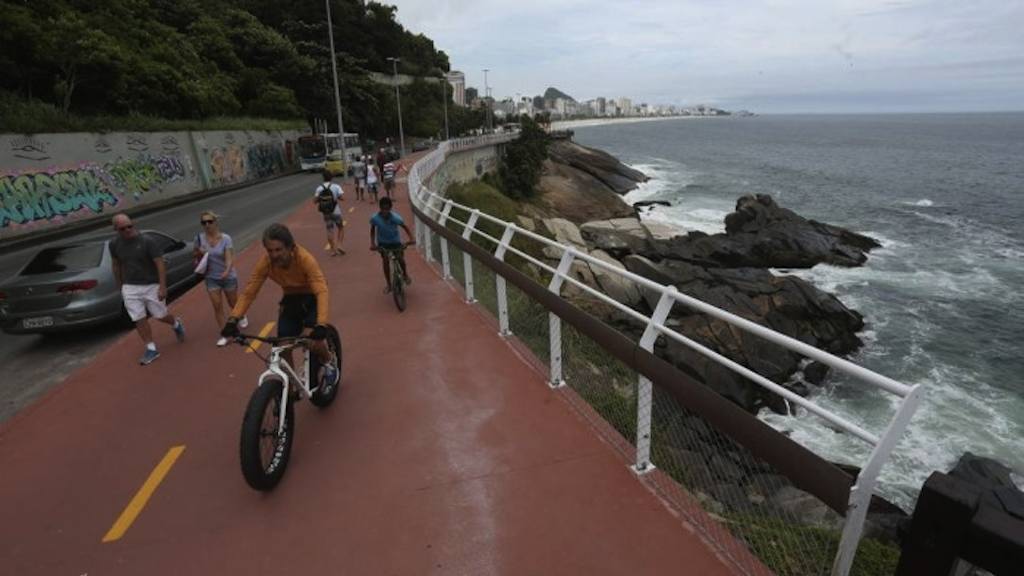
column 295, row 312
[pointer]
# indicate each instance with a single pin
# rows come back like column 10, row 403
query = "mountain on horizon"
column 551, row 93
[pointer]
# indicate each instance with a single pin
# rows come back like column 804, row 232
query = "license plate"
column 39, row 322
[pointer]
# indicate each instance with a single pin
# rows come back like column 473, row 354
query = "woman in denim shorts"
column 221, row 278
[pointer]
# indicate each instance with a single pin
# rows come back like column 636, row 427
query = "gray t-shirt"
column 217, row 262
column 136, row 256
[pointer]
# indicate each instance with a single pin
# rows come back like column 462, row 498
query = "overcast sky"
column 775, row 56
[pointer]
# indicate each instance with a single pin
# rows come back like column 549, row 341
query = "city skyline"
column 790, row 56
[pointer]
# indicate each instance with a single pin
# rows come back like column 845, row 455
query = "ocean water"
column 943, row 299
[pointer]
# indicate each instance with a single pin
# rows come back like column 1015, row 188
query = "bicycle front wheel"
column 398, row 286
column 265, row 446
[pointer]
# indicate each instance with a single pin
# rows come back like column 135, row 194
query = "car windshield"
column 64, row 259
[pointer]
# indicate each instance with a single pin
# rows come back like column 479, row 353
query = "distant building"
column 458, row 82
column 625, row 107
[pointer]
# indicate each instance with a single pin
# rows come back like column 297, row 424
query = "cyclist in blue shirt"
column 384, row 235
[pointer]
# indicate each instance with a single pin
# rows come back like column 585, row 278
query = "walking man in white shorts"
column 140, row 272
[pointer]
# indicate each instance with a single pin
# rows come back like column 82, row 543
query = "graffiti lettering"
column 41, row 196
column 134, row 176
column 170, row 168
column 265, row 159
column 145, row 173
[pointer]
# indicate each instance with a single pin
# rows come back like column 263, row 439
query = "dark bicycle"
column 269, row 422
column 398, row 280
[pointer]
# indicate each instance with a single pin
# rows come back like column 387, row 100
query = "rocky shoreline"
column 580, row 203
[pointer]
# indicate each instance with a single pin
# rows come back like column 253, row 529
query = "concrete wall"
column 463, row 167
column 50, row 180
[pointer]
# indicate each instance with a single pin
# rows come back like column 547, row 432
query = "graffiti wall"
column 464, row 166
column 48, row 180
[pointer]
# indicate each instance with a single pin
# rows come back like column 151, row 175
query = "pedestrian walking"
column 359, row 175
column 389, row 178
column 371, row 180
column 219, row 274
column 327, row 200
column 140, row 272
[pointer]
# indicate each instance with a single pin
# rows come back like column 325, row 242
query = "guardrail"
column 436, row 215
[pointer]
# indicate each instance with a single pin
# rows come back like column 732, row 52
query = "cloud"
column 687, row 51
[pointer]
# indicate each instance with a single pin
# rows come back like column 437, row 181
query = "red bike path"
column 444, row 453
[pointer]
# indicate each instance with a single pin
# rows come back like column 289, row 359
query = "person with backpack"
column 327, row 200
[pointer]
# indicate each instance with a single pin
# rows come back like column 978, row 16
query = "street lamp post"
column 487, row 94
column 334, row 69
column 398, row 100
column 444, row 95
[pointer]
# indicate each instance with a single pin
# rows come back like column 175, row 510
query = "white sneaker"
column 222, row 342
column 244, row 322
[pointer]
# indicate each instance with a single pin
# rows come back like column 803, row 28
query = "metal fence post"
column 499, row 280
column 860, row 494
column 446, row 263
column 644, row 393
column 467, row 260
column 555, row 323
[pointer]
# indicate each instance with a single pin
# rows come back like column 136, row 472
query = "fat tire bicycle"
column 268, row 426
column 398, row 282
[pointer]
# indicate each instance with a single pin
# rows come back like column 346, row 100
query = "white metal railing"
column 440, row 210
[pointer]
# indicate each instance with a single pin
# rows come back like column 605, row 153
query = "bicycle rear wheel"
column 263, row 449
column 325, row 393
column 397, row 285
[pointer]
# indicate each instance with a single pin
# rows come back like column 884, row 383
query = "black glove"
column 319, row 332
column 230, row 329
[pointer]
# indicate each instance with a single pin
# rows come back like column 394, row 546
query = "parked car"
column 72, row 286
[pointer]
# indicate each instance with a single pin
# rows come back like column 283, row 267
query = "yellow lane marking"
column 124, row 521
column 263, row 334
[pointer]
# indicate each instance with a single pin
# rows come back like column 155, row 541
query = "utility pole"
column 398, row 99
column 334, row 68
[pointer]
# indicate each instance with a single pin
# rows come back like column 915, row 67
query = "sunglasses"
column 206, row 222
column 123, row 228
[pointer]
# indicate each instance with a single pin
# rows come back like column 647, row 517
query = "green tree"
column 522, row 163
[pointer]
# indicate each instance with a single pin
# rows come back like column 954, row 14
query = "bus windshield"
column 312, row 147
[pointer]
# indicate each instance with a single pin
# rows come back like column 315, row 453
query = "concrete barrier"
column 49, row 181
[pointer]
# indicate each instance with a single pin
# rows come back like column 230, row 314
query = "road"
column 41, row 362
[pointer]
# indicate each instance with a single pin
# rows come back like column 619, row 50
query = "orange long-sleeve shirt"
column 303, row 276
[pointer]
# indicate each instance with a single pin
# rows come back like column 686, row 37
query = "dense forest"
column 203, row 59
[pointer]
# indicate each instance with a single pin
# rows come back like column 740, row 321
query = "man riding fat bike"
column 303, row 308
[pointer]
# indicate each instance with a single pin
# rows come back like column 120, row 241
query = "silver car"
column 72, row 286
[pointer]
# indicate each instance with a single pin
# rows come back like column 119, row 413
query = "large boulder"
column 762, row 234
column 786, row 304
column 618, row 287
column 619, row 236
column 599, row 164
column 576, row 195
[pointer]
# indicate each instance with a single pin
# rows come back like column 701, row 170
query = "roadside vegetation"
column 214, row 64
